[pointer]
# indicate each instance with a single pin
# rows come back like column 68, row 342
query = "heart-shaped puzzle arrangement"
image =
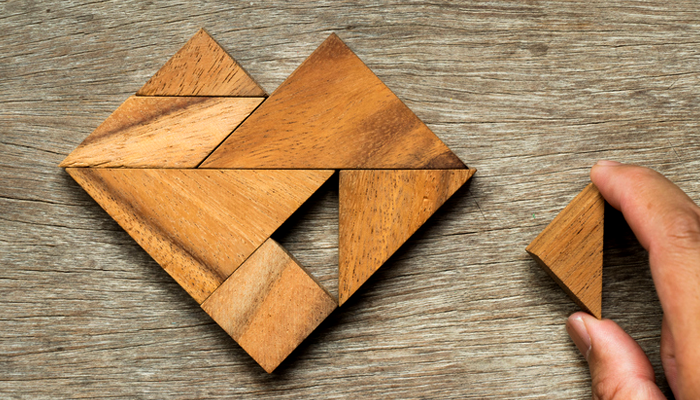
column 200, row 167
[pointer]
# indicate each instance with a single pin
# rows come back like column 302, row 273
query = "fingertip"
column 576, row 328
column 618, row 365
column 603, row 172
column 614, row 352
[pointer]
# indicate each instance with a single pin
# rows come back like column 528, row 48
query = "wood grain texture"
column 379, row 211
column 570, row 249
column 269, row 305
column 530, row 93
column 333, row 112
column 199, row 225
column 161, row 132
column 201, row 68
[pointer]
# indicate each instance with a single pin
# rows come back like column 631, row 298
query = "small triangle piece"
column 199, row 225
column 380, row 210
column 570, row 249
column 269, row 305
column 333, row 112
column 201, row 68
column 161, row 132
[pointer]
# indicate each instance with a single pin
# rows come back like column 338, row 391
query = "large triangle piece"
column 380, row 210
column 161, row 132
column 201, row 68
column 199, row 225
column 333, row 112
column 570, row 249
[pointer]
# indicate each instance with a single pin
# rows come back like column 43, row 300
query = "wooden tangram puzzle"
column 200, row 167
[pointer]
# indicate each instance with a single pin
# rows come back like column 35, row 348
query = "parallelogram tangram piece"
column 570, row 249
column 161, row 132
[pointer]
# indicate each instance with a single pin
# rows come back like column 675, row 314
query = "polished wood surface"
column 531, row 94
column 199, row 225
column 161, row 132
column 201, row 68
column 570, row 249
column 379, row 211
column 333, row 112
column 269, row 305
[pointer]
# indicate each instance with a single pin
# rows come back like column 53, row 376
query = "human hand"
column 667, row 224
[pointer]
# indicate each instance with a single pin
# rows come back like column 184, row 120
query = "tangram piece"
column 380, row 210
column 162, row 132
column 269, row 305
column 201, row 68
column 333, row 112
column 570, row 249
column 199, row 225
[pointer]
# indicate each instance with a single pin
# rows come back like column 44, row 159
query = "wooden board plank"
column 201, row 68
column 269, row 305
column 530, row 93
column 199, row 225
column 333, row 112
column 379, row 211
column 570, row 249
column 161, row 132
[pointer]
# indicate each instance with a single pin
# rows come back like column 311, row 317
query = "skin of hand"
column 667, row 224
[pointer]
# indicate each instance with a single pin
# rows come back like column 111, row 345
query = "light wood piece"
column 201, row 68
column 269, row 305
column 570, row 249
column 161, row 132
column 199, row 225
column 333, row 112
column 380, row 210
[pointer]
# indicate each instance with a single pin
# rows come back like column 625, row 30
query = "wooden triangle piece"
column 199, row 225
column 333, row 112
column 380, row 210
column 161, row 132
column 570, row 249
column 201, row 68
column 269, row 305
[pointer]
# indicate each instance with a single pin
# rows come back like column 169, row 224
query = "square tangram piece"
column 269, row 305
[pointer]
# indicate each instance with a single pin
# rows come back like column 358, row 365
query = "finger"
column 646, row 198
column 619, row 368
column 667, row 223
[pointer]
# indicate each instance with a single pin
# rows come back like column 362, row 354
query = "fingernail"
column 576, row 329
column 607, row 163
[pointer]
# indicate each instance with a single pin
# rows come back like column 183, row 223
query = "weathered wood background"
column 530, row 93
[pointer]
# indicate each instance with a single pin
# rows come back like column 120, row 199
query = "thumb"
column 619, row 367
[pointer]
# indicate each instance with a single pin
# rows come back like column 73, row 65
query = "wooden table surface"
column 530, row 93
